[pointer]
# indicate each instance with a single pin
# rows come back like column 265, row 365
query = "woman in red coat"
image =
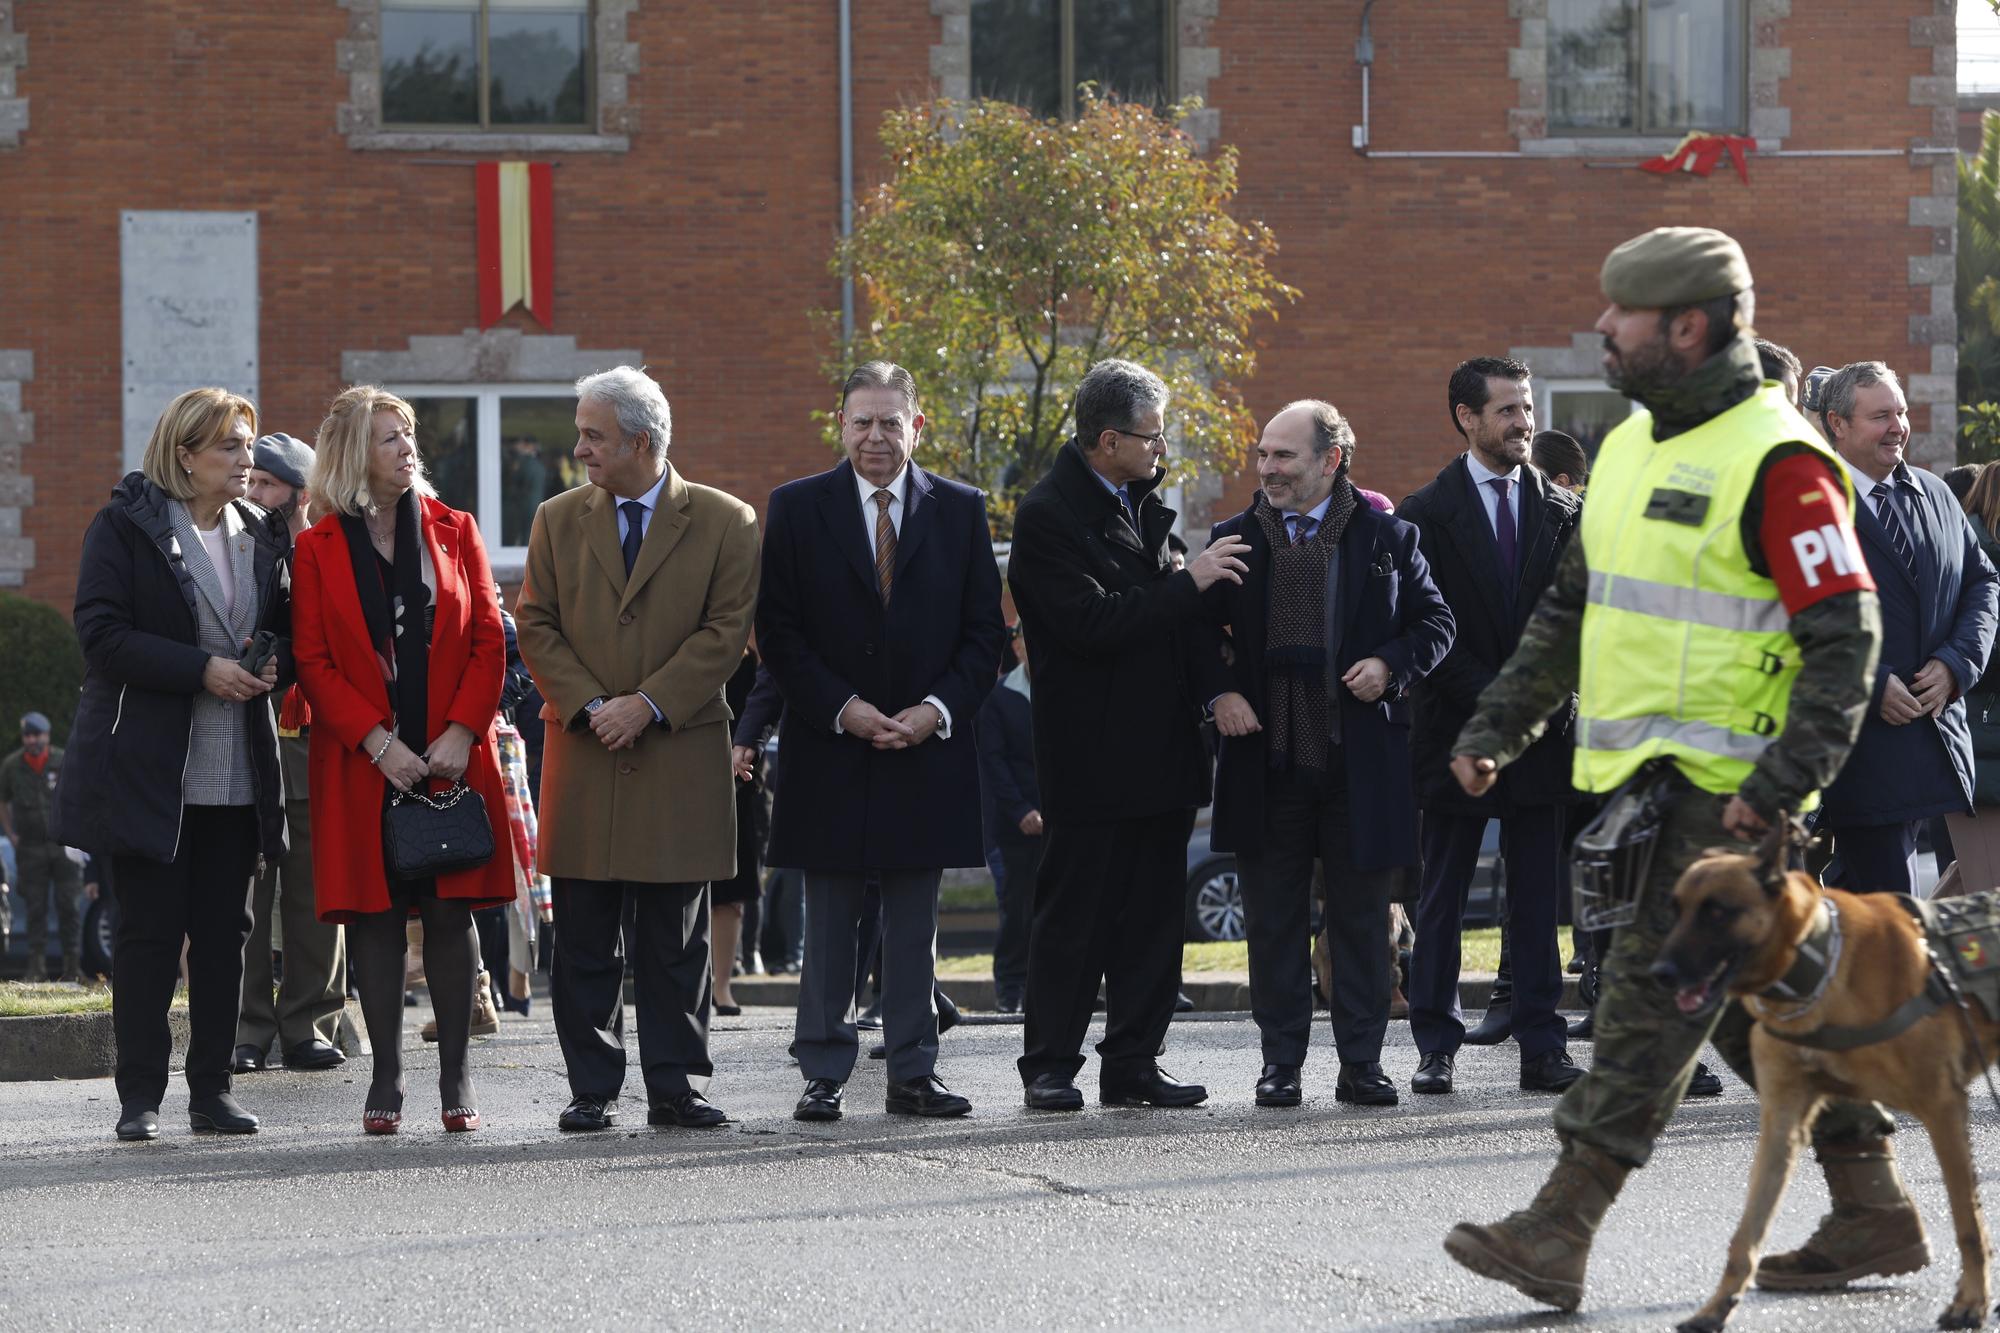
column 397, row 634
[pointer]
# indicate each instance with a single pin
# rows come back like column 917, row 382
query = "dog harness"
column 1962, row 941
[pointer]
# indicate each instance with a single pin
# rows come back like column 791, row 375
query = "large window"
column 497, row 453
column 1036, row 52
column 486, row 64
column 1647, row 66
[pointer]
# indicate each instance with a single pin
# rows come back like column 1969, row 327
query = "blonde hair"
column 339, row 479
column 199, row 419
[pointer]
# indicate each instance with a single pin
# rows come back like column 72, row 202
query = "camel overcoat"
column 664, row 811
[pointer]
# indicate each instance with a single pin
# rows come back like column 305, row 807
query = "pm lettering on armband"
column 1827, row 544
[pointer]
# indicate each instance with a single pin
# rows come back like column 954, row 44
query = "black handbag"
column 423, row 836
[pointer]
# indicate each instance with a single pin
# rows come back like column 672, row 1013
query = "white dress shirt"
column 1489, row 498
column 898, row 487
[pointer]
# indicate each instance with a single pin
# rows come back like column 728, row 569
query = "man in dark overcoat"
column 879, row 616
column 1334, row 620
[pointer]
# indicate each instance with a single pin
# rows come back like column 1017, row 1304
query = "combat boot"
column 38, row 965
column 1872, row 1231
column 72, row 967
column 1542, row 1250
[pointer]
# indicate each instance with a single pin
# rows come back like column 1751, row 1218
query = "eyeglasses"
column 1157, row 441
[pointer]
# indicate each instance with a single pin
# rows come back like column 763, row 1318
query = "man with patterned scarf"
column 1335, row 618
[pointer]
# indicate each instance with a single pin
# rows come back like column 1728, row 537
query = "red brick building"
column 698, row 184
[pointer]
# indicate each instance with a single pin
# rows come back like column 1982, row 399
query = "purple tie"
column 1503, row 524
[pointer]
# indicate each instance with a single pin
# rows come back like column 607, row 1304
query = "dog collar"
column 1939, row 990
column 1805, row 984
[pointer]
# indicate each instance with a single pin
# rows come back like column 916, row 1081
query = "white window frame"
column 509, row 560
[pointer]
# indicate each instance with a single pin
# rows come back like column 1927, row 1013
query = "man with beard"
column 1720, row 628
column 1335, row 618
column 1494, row 528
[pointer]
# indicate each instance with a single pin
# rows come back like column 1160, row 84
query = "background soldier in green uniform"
column 1775, row 569
column 27, row 791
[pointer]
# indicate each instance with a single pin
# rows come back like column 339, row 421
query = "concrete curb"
column 1213, row 992
column 50, row 1046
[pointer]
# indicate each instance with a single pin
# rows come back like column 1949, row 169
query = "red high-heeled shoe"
column 459, row 1119
column 381, row 1122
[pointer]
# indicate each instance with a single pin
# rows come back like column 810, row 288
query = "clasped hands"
column 225, row 679
column 913, row 726
column 445, row 760
column 621, row 721
column 1367, row 679
column 1934, row 687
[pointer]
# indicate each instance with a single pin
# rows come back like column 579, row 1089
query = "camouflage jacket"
column 1839, row 638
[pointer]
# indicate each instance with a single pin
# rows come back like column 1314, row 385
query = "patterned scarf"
column 1298, row 722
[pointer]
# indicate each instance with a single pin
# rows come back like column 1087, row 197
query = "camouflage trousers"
column 1646, row 1048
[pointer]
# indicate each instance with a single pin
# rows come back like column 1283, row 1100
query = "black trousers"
column 828, row 1044
column 1110, row 904
column 202, row 896
column 1307, row 818
column 1015, row 860
column 1875, row 858
column 668, row 936
column 1531, row 846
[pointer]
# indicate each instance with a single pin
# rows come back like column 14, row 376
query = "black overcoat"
column 843, row 806
column 1380, row 603
column 1457, row 539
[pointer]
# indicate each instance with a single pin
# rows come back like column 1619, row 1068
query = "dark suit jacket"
column 1007, row 786
column 1464, row 557
column 1944, row 609
column 1114, row 633
column 843, row 805
column 1381, row 604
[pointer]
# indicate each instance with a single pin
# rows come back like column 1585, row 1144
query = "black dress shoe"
column 1151, row 1086
column 926, row 1096
column 313, row 1054
column 1279, row 1086
column 879, row 1051
column 1551, row 1071
column 1705, row 1083
column 1585, row 1028
column 1182, row 1004
column 1495, row 1027
column 585, row 1114
column 1433, row 1073
column 820, row 1102
column 728, row 1010
column 689, row 1110
column 218, row 1113
column 1052, row 1092
column 1007, row 1004
column 247, row 1060
column 134, row 1126
column 1364, row 1084
column 870, row 1019
column 947, row 1012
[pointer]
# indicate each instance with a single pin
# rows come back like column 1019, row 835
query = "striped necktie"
column 1891, row 515
column 885, row 544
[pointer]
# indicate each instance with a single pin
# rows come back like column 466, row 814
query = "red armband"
column 1808, row 533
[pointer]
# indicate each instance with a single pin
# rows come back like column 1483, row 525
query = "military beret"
column 34, row 724
column 289, row 460
column 1672, row 266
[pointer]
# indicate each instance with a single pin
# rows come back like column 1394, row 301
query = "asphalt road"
column 1327, row 1216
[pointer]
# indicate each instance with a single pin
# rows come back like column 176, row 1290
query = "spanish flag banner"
column 517, row 241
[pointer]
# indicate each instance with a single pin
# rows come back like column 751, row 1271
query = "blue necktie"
column 1125, row 503
column 635, row 532
column 1503, row 524
column 1303, row 528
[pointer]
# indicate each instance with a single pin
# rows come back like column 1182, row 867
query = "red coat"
column 337, row 671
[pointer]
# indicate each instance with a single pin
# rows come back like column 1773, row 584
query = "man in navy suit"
column 1494, row 528
column 1938, row 591
column 1334, row 620
column 879, row 615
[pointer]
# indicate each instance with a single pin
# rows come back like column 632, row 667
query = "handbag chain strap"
column 450, row 798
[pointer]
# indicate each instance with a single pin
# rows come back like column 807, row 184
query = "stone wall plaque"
column 190, row 311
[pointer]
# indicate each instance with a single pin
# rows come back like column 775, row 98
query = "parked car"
column 1215, row 895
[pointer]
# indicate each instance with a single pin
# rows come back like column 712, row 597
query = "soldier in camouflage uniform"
column 1677, row 339
column 27, row 795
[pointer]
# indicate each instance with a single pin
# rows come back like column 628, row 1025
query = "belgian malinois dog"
column 1742, row 920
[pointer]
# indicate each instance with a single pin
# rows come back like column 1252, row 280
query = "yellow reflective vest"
column 1685, row 651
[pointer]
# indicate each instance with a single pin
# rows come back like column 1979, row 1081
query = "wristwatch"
column 596, row 703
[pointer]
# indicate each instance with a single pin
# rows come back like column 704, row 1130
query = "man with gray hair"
column 1118, row 647
column 633, row 614
column 1913, row 760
